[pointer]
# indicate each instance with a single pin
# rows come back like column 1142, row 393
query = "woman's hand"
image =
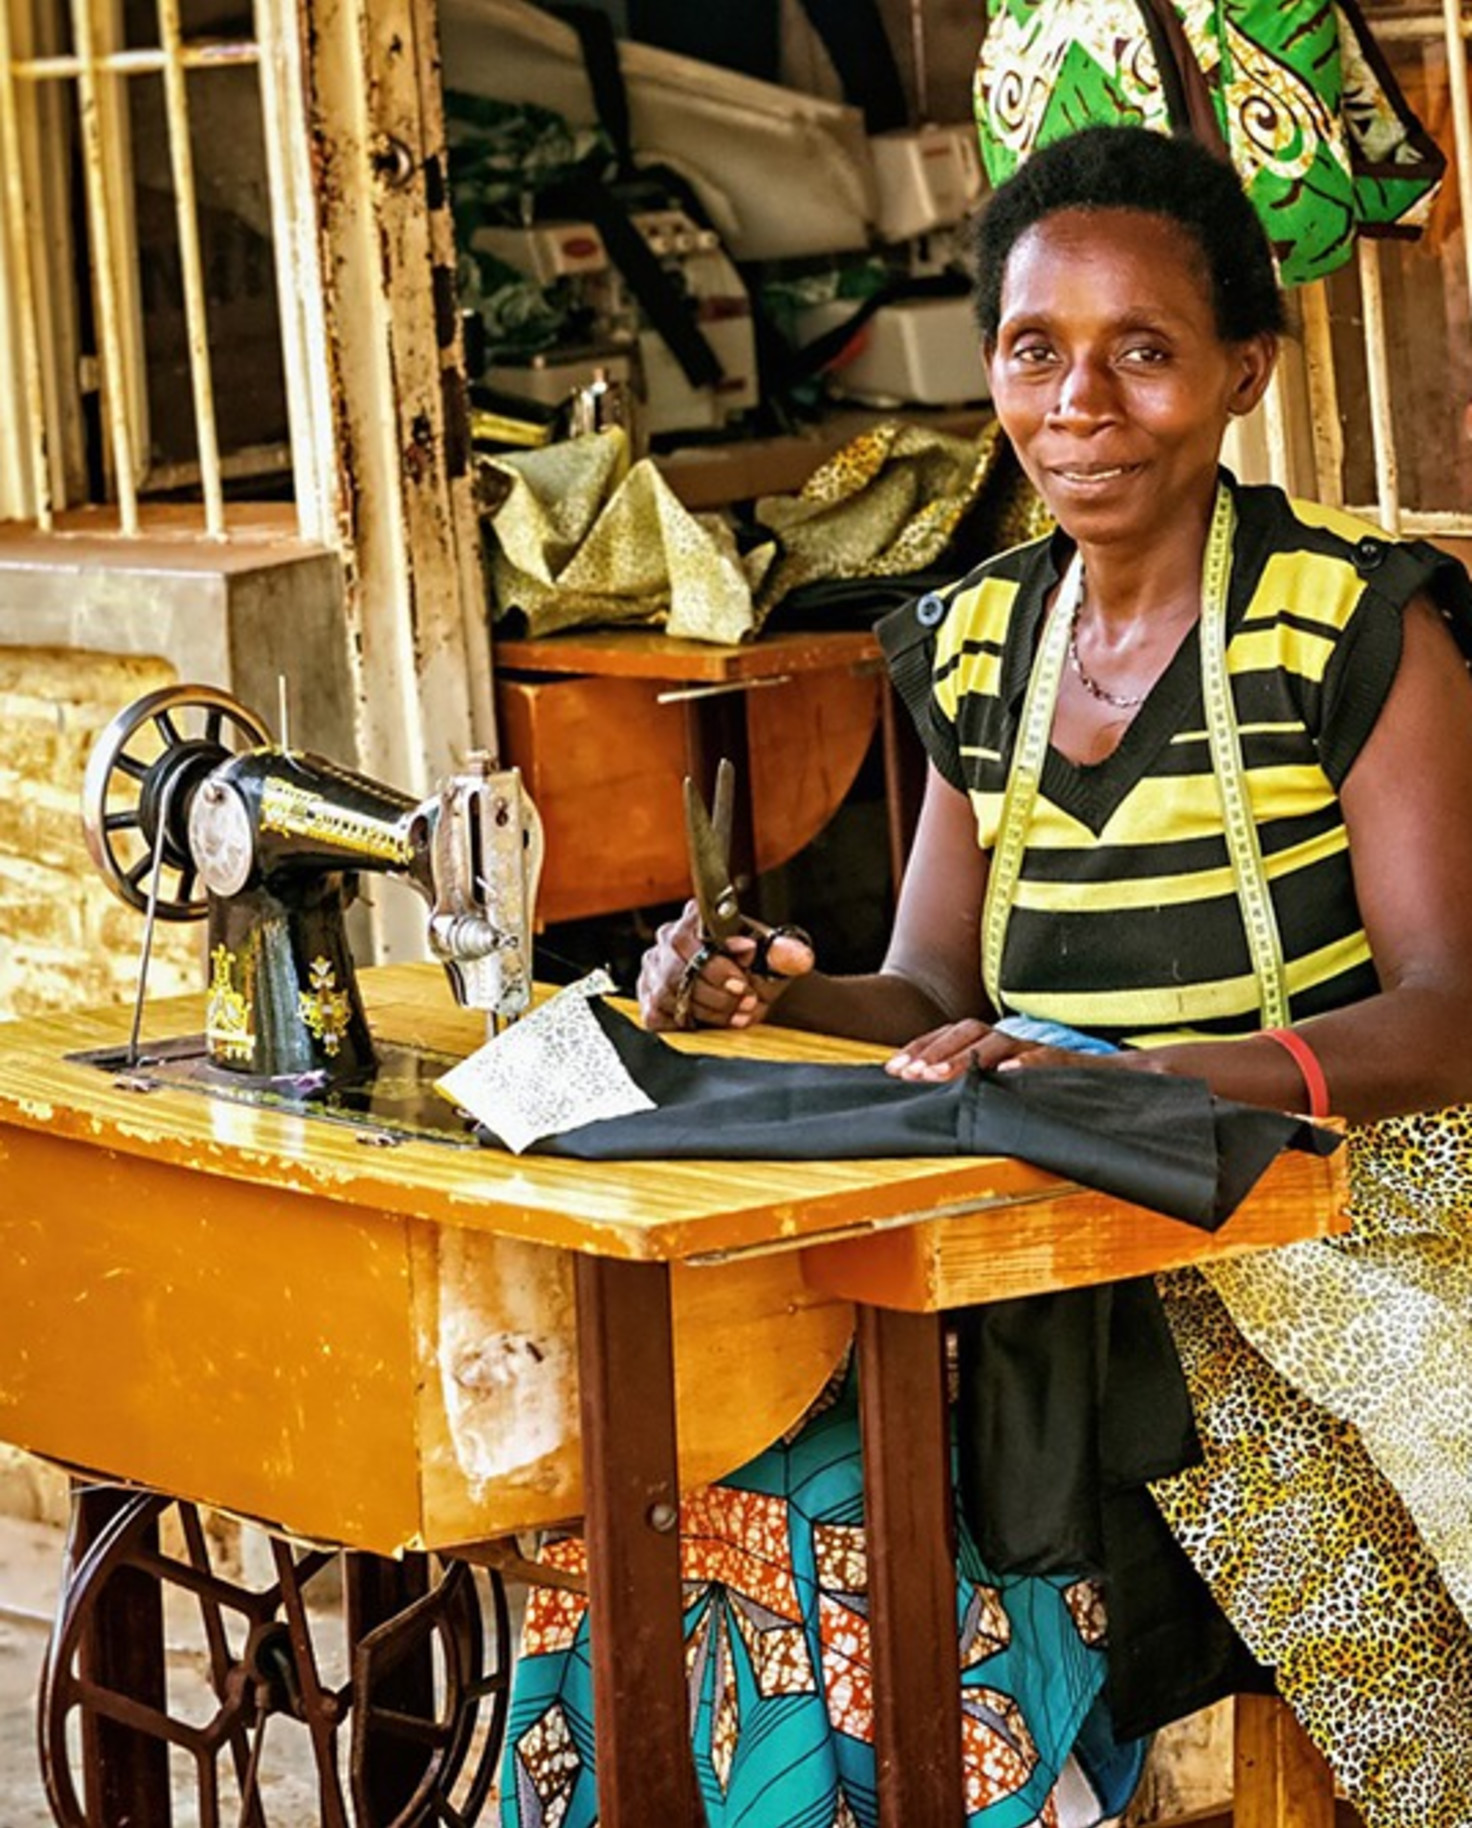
column 679, row 989
column 946, row 1053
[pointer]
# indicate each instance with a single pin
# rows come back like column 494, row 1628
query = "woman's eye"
column 1030, row 353
column 1146, row 355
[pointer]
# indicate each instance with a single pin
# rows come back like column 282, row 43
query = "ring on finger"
column 689, row 978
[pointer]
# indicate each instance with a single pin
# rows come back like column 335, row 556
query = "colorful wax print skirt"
column 778, row 1666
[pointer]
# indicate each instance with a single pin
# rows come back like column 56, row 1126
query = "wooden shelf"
column 617, row 653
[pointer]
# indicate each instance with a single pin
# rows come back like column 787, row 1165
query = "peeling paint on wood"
column 507, row 1369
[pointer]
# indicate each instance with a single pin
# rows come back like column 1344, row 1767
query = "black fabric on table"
column 1154, row 1139
column 1069, row 1402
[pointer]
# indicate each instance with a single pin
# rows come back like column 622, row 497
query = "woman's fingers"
column 767, row 973
column 685, row 982
column 662, row 968
column 789, row 955
column 945, row 1053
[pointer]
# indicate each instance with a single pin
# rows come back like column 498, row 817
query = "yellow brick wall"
column 65, row 938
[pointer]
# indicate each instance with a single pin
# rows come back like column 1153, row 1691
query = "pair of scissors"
column 708, row 839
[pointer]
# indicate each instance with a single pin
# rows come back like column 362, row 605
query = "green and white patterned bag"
column 1295, row 92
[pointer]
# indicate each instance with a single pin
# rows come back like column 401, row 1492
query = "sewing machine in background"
column 922, row 349
column 187, row 782
column 624, row 344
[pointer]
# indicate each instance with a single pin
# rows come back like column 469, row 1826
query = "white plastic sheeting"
column 782, row 173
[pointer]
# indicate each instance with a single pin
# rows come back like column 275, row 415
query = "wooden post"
column 632, row 1498
column 1280, row 1779
column 912, row 1574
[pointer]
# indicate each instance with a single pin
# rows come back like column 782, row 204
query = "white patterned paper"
column 554, row 1070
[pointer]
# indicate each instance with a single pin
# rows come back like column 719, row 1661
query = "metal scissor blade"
column 723, row 807
column 709, row 847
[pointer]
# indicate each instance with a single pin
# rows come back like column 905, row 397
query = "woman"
column 1200, row 767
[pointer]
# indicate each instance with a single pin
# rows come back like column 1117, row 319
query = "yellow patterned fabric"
column 891, row 501
column 580, row 536
column 1377, row 1326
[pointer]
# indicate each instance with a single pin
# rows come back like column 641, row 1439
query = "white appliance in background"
column 781, row 174
column 914, row 351
column 703, row 273
column 553, row 376
column 926, row 178
column 545, row 251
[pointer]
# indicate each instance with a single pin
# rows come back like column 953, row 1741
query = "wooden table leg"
column 631, row 1496
column 125, row 1774
column 1279, row 1778
column 912, row 1573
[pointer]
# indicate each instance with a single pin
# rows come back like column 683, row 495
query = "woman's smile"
column 1092, row 475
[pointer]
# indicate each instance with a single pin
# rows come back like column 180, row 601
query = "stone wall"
column 65, row 939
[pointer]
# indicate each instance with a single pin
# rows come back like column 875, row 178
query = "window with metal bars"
column 141, row 349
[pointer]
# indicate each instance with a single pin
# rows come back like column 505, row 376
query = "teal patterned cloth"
column 776, row 1634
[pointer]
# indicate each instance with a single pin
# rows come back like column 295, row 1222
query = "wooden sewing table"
column 263, row 1312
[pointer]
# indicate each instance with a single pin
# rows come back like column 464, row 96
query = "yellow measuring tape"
column 1024, row 778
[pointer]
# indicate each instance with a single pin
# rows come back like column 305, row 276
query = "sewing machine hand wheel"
column 134, row 794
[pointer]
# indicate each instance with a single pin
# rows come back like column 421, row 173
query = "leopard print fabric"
column 1331, row 1513
column 1413, row 1175
column 1312, row 1555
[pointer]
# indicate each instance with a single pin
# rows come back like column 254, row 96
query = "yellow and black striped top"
column 1126, row 921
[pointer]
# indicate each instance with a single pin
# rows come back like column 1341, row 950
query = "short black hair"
column 1133, row 168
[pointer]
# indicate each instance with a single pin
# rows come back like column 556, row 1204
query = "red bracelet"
column 1307, row 1062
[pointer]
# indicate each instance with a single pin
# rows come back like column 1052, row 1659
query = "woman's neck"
column 1129, row 583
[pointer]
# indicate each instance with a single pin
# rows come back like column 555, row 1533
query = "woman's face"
column 1109, row 375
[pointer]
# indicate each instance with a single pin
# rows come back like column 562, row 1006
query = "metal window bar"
column 23, row 302
column 300, row 301
column 96, row 71
column 94, row 95
column 181, row 161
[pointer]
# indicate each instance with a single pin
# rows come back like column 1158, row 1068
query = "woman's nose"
column 1084, row 393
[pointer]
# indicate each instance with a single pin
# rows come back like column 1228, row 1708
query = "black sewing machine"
column 190, row 811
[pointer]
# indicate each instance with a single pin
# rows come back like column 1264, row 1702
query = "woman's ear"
column 1258, row 356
